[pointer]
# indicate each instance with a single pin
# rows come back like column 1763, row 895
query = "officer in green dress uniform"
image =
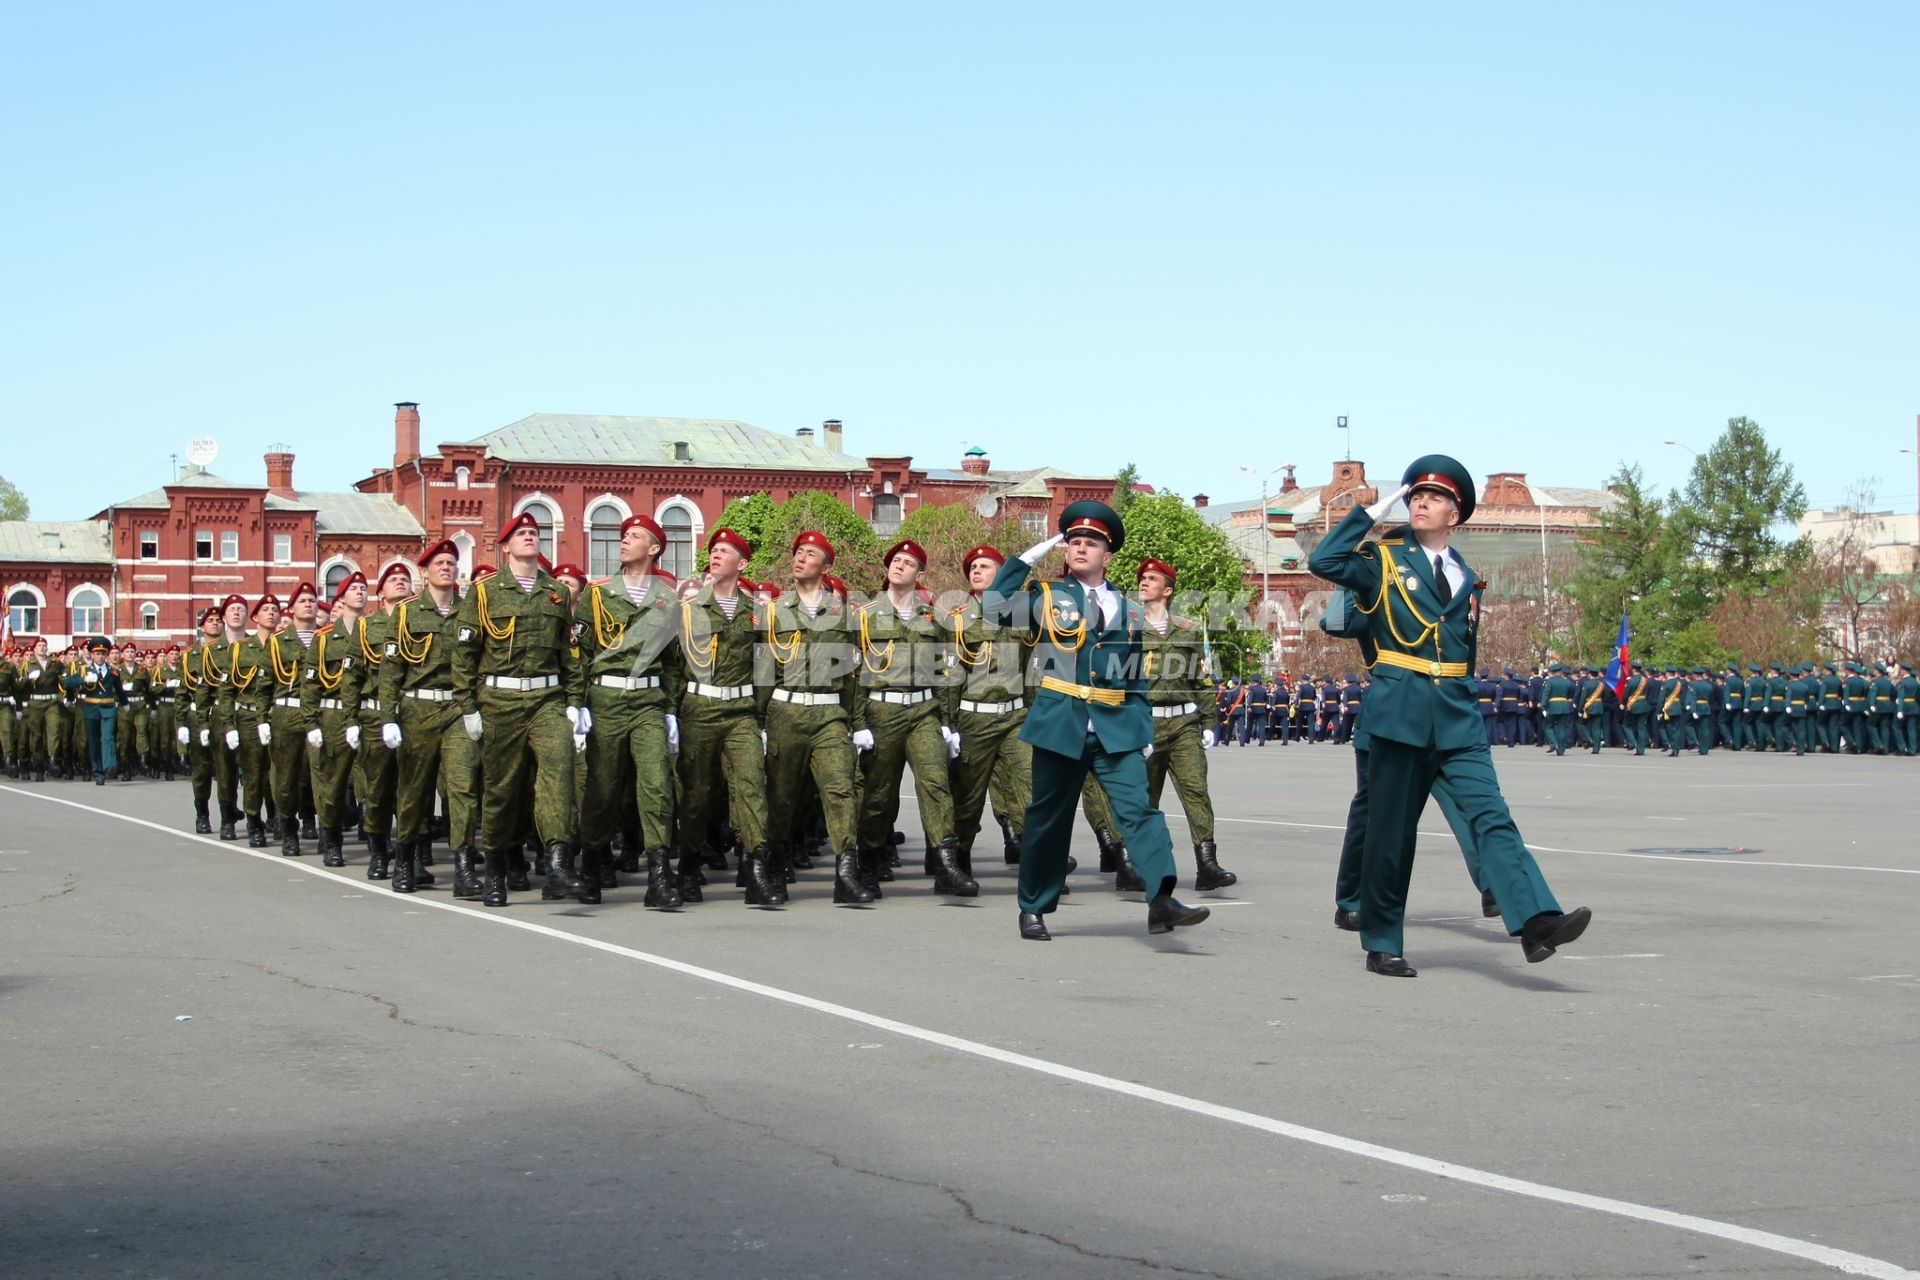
column 1700, row 706
column 1090, row 713
column 330, row 699
column 1827, row 721
column 626, row 628
column 1854, row 703
column 1173, row 661
column 990, row 708
column 521, row 697
column 1801, row 692
column 720, row 728
column 433, row 752
column 809, row 690
column 1880, row 720
column 1556, row 699
column 1422, row 606
column 1676, row 710
column 101, row 695
column 193, row 708
column 1906, row 710
column 1638, row 705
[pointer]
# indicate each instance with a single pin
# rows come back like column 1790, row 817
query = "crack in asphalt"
column 67, row 886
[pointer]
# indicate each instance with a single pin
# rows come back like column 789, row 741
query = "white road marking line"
column 1625, row 955
column 1839, row 1259
column 1770, row 786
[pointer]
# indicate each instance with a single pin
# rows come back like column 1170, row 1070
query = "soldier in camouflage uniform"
column 521, row 699
column 910, row 693
column 376, row 767
column 989, row 708
column 165, row 722
column 433, row 753
column 1175, row 670
column 626, row 628
column 244, row 707
column 330, row 699
column 287, row 721
column 9, row 713
column 574, row 579
column 130, row 729
column 193, row 709
column 814, row 713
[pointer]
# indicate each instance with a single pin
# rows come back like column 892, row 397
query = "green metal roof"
column 572, row 437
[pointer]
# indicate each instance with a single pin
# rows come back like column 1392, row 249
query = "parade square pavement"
column 222, row 1063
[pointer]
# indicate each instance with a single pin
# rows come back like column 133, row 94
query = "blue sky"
column 1539, row 237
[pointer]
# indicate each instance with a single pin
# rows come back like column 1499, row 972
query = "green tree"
column 1212, row 583
column 1123, row 491
column 770, row 527
column 13, row 503
column 946, row 534
column 1626, row 565
column 1738, row 495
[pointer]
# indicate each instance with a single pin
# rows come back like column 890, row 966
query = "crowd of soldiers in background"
column 1835, row 708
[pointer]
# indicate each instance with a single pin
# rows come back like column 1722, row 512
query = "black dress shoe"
column 1167, row 913
column 1390, row 966
column 1345, row 919
column 1548, row 931
column 1488, row 907
column 1033, row 928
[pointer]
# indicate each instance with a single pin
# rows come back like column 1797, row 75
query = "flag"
column 6, row 630
column 1617, row 669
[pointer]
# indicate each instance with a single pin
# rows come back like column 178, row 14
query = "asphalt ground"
column 221, row 1063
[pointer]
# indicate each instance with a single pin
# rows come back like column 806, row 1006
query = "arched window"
column 677, row 559
column 603, row 540
column 87, row 606
column 337, row 573
column 463, row 547
column 543, row 516
column 23, row 610
column 149, row 616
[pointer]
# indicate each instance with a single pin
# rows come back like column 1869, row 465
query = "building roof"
column 367, row 513
column 193, row 478
column 63, row 541
column 579, row 437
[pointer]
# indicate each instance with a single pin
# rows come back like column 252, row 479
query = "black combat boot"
column 847, row 888
column 289, row 838
column 307, row 830
column 1009, row 843
column 202, row 825
column 662, row 893
column 378, row 856
column 951, row 878
column 1126, row 879
column 930, row 861
column 1208, row 873
column 541, row 867
column 493, row 885
column 602, row 865
column 422, row 857
column 331, row 854
column 690, row 878
column 590, row 862
column 629, row 859
column 562, row 880
column 872, row 863
column 466, row 874
column 517, row 878
column 799, row 856
column 401, row 877
column 779, row 875
column 760, row 888
column 1110, row 851
column 426, row 854
column 227, row 819
column 256, row 833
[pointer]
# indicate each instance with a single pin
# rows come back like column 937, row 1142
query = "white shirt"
column 1456, row 572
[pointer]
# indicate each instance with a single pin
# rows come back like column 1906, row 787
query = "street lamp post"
column 1266, row 553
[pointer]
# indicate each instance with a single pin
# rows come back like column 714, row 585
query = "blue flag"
column 1617, row 669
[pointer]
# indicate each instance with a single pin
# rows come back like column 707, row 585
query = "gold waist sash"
column 1425, row 666
column 1085, row 692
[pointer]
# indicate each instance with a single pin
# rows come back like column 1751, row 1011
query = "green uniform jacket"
column 717, row 650
column 1556, row 696
column 1735, row 693
column 904, row 655
column 1393, row 585
column 1856, row 693
column 1636, row 701
column 991, row 659
column 246, row 679
column 1702, row 698
column 1052, row 616
column 418, row 653
column 1830, row 693
column 109, row 689
column 370, row 637
column 505, row 631
column 810, row 653
column 287, row 660
column 616, row 637
column 330, row 661
column 1175, row 664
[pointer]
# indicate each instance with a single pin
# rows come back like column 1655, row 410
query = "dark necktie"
column 1093, row 612
column 1440, row 580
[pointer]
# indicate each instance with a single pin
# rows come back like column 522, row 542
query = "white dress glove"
column 1206, row 737
column 315, row 738
column 763, row 742
column 673, row 733
column 91, row 678
column 581, row 719
column 390, row 735
column 206, row 737
column 863, row 739
column 183, row 734
column 1378, row 511
column 471, row 723
column 353, row 737
column 233, row 739
column 1146, row 752
column 953, row 741
column 264, row 732
column 1033, row 553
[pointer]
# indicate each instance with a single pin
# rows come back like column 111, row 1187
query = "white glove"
column 673, row 733
column 580, row 744
column 581, row 719
column 353, row 737
column 315, row 738
column 91, row 678
column 1378, row 510
column 471, row 723
column 264, row 732
column 763, row 742
column 1033, row 553
column 1206, row 737
column 953, row 741
column 390, row 735
column 1146, row 752
column 206, row 738
column 183, row 734
column 233, row 739
column 863, row 739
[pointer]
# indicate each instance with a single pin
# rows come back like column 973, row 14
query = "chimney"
column 975, row 463
column 406, row 433
column 830, row 435
column 804, row 435
column 1280, row 523
column 1199, row 502
column 1289, row 484
column 280, row 470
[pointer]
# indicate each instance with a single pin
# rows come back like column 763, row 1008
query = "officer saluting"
column 1090, row 713
column 101, row 694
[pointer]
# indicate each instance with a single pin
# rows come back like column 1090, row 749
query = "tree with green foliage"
column 13, row 503
column 1738, row 495
column 1123, row 491
column 772, row 526
column 1212, row 583
column 946, row 533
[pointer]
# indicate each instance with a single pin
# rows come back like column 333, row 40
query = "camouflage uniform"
column 245, row 703
column 989, row 707
column 287, row 752
column 905, row 673
column 720, row 738
column 1174, row 658
column 330, row 699
column 417, row 683
column 376, row 772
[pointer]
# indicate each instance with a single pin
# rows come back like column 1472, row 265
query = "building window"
column 1034, row 523
column 886, row 513
column 283, row 548
column 203, row 545
column 462, row 477
column 89, row 609
column 149, row 617
column 463, row 548
column 149, row 546
column 229, row 545
column 336, row 575
column 603, row 540
column 677, row 559
column 543, row 516
column 23, row 612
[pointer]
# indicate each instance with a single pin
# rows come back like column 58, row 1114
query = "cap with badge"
column 909, row 546
column 1442, row 474
column 1096, row 518
column 724, row 537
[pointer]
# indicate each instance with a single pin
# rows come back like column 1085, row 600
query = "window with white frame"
column 886, row 513
column 229, row 545
column 677, row 559
column 603, row 540
column 203, row 544
column 283, row 548
column 149, row 616
column 88, row 608
column 23, row 611
column 336, row 575
column 543, row 516
column 149, row 545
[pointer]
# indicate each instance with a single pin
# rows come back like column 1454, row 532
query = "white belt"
column 173, row 684
column 331, row 704
column 799, row 699
column 721, row 692
column 44, row 697
column 1168, row 713
column 903, row 699
column 427, row 695
column 521, row 684
column 629, row 683
column 286, row 702
column 991, row 708
column 366, row 704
